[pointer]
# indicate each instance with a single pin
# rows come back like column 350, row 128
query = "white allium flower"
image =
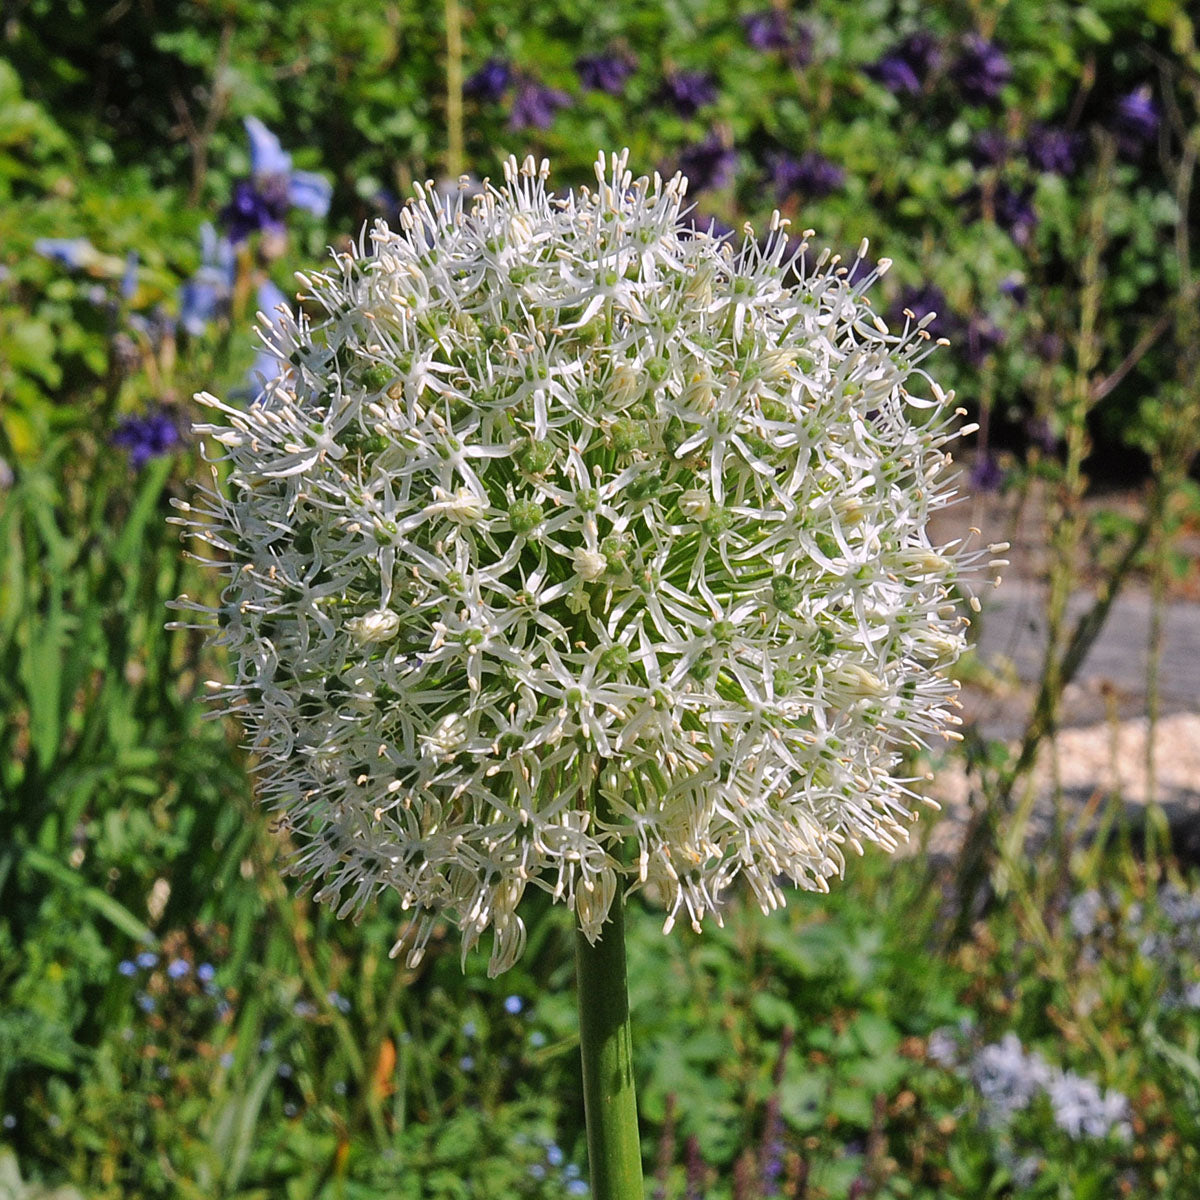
column 571, row 548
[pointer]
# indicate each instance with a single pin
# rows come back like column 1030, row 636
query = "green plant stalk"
column 454, row 90
column 606, row 1050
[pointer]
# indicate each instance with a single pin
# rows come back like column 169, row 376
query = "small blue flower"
column 202, row 296
column 537, row 1039
column 77, row 253
column 284, row 1071
column 177, row 968
column 490, row 81
column 1052, row 150
column 205, row 972
column 466, row 1063
column 226, row 1060
column 129, row 280
column 513, row 1005
column 906, row 66
column 577, row 1187
column 811, row 175
column 1135, row 121
column 537, row 1171
column 127, row 968
column 604, row 72
column 339, row 1002
column 689, row 91
column 147, row 959
column 981, row 70
column 147, row 436
column 554, row 1155
column 262, row 201
column 146, row 1003
column 469, row 1029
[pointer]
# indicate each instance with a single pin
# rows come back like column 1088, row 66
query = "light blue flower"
column 211, row 286
column 268, row 159
column 76, row 253
column 513, row 1005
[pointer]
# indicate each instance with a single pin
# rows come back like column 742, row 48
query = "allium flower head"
column 568, row 549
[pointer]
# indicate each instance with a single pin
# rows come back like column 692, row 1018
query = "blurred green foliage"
column 172, row 1022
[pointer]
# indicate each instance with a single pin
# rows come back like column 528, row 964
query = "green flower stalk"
column 574, row 549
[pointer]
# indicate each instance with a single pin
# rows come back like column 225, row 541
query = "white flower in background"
column 569, row 548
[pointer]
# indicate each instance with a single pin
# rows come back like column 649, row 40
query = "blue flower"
column 981, row 70
column 147, row 959
column 535, row 106
column 127, row 968
column 261, row 202
column 767, row 29
column 146, row 1003
column 1135, row 121
column 268, row 160
column 1052, row 150
column 907, row 65
column 147, row 436
column 513, row 1005
column 205, row 972
column 604, row 72
column 177, row 968
column 77, row 253
column 129, row 280
column 689, row 91
column 811, row 175
column 202, row 296
column 490, row 81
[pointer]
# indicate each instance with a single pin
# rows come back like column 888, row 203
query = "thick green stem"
column 606, row 1048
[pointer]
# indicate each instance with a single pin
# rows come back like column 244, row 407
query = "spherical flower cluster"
column 570, row 547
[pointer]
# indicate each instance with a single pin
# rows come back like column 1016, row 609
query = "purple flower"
column 604, row 72
column 146, row 437
column 1052, row 150
column 1014, row 212
column 147, row 959
column 255, row 209
column 689, row 91
column 989, row 148
column 177, row 968
column 907, row 65
column 261, row 202
column 205, row 972
column 981, row 70
column 767, row 29
column 811, row 175
column 77, row 253
column 1135, row 121
column 894, row 73
column 708, row 165
column 534, row 106
column 490, row 81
